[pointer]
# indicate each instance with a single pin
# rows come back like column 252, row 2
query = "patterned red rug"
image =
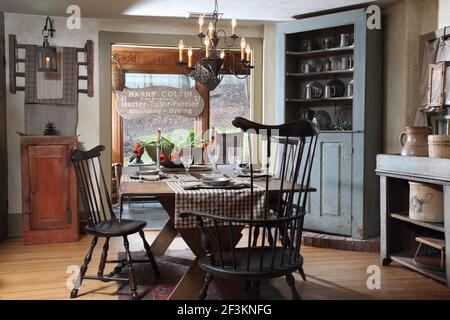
column 172, row 267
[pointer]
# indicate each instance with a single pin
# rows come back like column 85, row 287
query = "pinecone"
column 50, row 129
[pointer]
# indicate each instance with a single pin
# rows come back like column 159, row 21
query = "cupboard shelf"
column 337, row 99
column 406, row 260
column 324, row 74
column 403, row 216
column 318, row 53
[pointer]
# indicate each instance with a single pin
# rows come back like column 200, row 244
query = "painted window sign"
column 161, row 100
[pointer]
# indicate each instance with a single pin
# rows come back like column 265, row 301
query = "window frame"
column 153, row 60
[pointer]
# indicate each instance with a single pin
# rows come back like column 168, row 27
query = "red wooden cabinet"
column 49, row 190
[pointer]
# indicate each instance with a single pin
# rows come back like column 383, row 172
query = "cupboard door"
column 329, row 209
column 49, row 187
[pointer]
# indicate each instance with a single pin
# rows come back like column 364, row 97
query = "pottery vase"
column 415, row 141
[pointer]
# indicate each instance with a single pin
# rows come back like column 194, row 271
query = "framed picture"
column 436, row 84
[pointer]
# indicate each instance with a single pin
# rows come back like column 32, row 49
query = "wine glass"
column 213, row 151
column 186, row 159
column 231, row 159
column 175, row 155
column 237, row 158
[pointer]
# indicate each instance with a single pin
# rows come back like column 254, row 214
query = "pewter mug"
column 346, row 63
column 344, row 40
column 308, row 92
column 328, row 42
column 350, row 87
column 309, row 46
column 330, row 91
column 307, row 68
column 327, row 65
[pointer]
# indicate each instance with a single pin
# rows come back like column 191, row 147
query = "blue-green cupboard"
column 341, row 51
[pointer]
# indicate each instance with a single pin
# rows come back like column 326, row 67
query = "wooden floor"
column 39, row 272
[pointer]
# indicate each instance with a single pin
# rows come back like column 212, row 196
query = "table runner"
column 171, row 177
column 222, row 202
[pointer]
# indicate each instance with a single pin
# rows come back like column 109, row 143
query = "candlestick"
column 158, row 136
column 190, row 57
column 158, row 149
column 180, row 50
column 243, row 44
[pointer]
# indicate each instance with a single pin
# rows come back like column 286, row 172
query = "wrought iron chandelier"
column 210, row 68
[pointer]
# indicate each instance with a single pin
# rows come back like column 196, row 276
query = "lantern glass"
column 46, row 59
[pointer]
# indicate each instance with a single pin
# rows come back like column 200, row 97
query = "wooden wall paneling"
column 3, row 140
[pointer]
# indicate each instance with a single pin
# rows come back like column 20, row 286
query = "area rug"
column 172, row 267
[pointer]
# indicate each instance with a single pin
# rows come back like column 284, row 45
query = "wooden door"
column 330, row 208
column 49, row 187
column 3, row 155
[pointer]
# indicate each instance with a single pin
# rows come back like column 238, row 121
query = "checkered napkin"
column 234, row 203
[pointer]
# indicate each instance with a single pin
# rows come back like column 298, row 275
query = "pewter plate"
column 148, row 172
column 217, row 182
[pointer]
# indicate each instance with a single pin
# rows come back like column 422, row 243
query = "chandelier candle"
column 233, row 27
column 210, row 30
column 190, row 57
column 248, row 50
column 243, row 45
column 180, row 50
column 200, row 24
column 206, row 47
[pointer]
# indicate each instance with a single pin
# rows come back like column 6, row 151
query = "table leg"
column 190, row 283
column 164, row 239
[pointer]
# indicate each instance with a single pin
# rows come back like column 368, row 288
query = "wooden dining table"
column 192, row 280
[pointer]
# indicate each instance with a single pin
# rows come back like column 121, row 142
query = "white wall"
column 444, row 13
column 28, row 28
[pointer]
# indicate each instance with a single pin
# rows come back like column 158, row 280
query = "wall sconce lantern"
column 46, row 58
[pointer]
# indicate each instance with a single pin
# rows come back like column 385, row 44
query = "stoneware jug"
column 416, row 144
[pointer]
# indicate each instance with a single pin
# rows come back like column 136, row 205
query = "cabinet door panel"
column 329, row 209
column 49, row 187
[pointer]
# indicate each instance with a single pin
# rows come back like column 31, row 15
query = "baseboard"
column 15, row 225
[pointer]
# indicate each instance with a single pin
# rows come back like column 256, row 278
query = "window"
column 229, row 100
column 145, row 128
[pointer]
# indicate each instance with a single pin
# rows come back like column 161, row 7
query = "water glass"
column 186, row 158
column 213, row 151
